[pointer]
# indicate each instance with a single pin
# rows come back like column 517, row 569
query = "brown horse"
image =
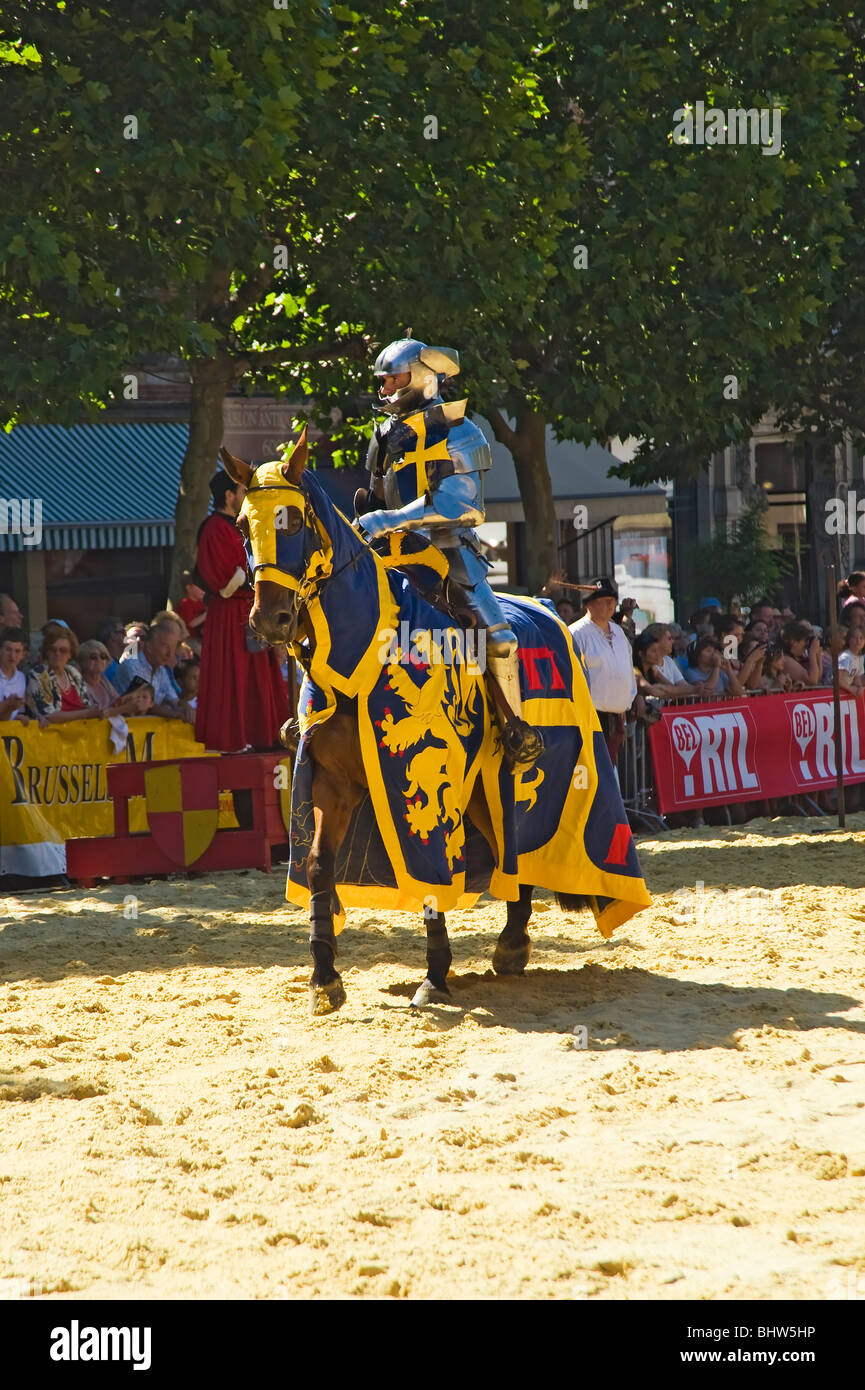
column 280, row 616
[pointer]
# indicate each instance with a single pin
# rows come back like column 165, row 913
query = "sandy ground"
column 173, row 1124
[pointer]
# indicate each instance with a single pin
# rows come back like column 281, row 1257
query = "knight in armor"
column 427, row 465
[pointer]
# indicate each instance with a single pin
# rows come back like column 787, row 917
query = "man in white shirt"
column 153, row 662
column 608, row 660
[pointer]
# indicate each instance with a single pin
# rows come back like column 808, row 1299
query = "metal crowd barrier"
column 636, row 778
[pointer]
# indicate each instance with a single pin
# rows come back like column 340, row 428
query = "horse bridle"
column 304, row 590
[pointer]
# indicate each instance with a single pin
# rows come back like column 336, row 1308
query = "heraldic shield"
column 182, row 802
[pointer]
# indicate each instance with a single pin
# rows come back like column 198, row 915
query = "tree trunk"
column 527, row 446
column 212, row 378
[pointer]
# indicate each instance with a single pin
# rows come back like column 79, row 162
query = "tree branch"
column 502, row 432
column 341, row 348
column 249, row 294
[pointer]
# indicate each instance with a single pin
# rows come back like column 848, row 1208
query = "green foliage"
column 739, row 561
column 305, row 129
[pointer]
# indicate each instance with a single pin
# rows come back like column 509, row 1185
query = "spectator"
column 567, row 611
column 184, row 651
column 140, row 697
column 755, row 667
column 851, row 587
column 802, row 654
column 56, row 693
column 757, row 628
column 608, row 660
column 700, row 624
column 729, row 630
column 762, row 611
column 851, row 662
column 669, row 672
column 134, row 633
column 710, row 604
column 187, row 674
column 10, row 613
column 772, row 675
column 624, row 616
column 651, row 681
column 112, row 635
column 680, row 645
column 156, row 656
column 13, row 684
column 853, row 613
column 191, row 607
column 836, row 638
column 93, row 660
column 714, row 671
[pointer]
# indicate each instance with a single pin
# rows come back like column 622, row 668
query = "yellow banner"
column 54, row 784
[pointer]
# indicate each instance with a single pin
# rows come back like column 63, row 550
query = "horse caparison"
column 279, row 616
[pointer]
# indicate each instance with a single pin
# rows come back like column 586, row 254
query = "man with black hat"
column 608, row 660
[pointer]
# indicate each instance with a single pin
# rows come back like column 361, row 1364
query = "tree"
column 664, row 271
column 136, row 228
column 398, row 163
column 740, row 563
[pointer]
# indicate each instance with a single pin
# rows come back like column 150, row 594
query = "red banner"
column 751, row 749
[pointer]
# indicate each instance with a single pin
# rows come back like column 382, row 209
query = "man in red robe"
column 242, row 699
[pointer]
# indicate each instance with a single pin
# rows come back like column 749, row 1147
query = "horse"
column 310, row 569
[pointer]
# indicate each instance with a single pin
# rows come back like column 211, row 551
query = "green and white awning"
column 100, row 487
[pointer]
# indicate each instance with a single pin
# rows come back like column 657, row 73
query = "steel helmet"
column 429, row 366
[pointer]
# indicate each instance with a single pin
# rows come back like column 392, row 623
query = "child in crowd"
column 191, row 608
column 851, row 662
column 835, row 641
column 143, row 696
column 13, row 684
column 187, row 674
column 773, row 674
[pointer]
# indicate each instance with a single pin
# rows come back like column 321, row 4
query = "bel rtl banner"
column 754, row 748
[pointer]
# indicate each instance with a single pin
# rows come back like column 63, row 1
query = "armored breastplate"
column 416, row 456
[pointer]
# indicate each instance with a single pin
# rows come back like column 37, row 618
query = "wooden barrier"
column 124, row 855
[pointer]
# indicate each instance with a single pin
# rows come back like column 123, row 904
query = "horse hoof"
column 428, row 993
column 511, row 960
column 326, row 999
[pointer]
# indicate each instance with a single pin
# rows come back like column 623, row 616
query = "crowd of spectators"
column 128, row 670
column 720, row 656
column 124, row 672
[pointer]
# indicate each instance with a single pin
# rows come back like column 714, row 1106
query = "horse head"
column 289, row 548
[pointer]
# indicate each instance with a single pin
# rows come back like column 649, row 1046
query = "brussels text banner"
column 755, row 748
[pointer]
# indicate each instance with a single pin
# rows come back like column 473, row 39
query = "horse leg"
column 434, row 989
column 334, row 799
column 514, row 946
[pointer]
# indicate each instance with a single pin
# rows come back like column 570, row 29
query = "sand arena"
column 175, row 1125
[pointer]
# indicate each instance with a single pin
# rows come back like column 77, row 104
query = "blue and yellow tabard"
column 427, row 736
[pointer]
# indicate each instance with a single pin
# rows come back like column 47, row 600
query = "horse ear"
column 237, row 470
column 293, row 467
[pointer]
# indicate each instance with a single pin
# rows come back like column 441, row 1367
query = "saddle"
column 427, row 570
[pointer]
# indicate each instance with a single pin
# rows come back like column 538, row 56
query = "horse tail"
column 572, row 902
